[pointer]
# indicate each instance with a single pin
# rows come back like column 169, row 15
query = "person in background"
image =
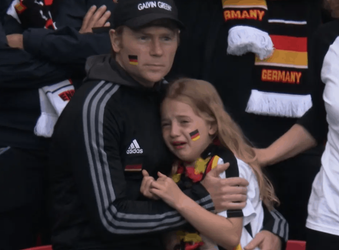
column 323, row 215
column 24, row 70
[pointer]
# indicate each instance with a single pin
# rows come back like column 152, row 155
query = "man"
column 23, row 156
column 110, row 131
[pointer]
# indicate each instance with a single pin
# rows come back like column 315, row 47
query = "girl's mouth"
column 178, row 145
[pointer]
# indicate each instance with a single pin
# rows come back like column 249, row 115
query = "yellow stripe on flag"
column 133, row 63
column 240, row 3
column 237, row 247
column 285, row 58
column 196, row 138
column 192, row 237
column 215, row 161
column 176, row 177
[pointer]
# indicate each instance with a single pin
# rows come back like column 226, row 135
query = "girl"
column 193, row 120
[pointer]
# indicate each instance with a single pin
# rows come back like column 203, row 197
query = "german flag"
column 195, row 135
column 133, row 60
column 289, row 52
column 133, row 168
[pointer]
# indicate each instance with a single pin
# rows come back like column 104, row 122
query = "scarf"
column 185, row 176
column 247, row 20
column 53, row 98
column 281, row 87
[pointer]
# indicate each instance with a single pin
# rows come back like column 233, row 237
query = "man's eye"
column 184, row 122
column 165, row 124
column 166, row 38
column 143, row 38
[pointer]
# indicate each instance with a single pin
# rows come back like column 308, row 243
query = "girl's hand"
column 146, row 186
column 168, row 191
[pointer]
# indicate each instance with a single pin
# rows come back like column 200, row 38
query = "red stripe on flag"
column 48, row 2
column 297, row 44
column 133, row 167
column 195, row 136
column 209, row 166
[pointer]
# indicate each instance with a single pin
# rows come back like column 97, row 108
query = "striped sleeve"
column 101, row 176
column 275, row 223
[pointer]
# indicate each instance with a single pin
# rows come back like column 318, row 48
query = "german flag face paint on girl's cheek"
column 133, row 60
column 195, row 135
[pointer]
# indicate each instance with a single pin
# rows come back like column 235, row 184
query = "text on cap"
column 154, row 4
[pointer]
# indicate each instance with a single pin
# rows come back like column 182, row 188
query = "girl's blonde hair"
column 206, row 102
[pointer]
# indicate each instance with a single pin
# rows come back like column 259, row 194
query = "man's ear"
column 115, row 40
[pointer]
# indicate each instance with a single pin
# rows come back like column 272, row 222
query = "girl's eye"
column 184, row 122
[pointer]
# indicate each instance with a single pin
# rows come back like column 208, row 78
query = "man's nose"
column 156, row 48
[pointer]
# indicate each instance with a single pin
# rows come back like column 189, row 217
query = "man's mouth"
column 155, row 65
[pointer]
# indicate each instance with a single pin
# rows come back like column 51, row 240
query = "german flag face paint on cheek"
column 133, row 60
column 195, row 135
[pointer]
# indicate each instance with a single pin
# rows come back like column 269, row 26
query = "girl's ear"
column 212, row 129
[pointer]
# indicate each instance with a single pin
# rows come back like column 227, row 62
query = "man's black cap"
column 137, row 13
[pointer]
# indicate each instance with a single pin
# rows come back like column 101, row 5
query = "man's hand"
column 95, row 18
column 265, row 240
column 15, row 41
column 227, row 194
